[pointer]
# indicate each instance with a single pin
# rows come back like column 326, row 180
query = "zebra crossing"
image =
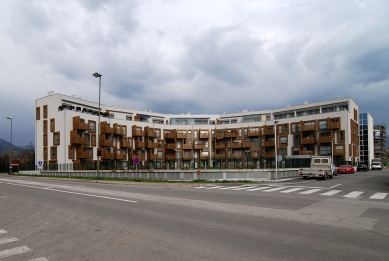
column 299, row 190
column 13, row 251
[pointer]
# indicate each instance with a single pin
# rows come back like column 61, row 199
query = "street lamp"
column 97, row 75
column 275, row 146
column 10, row 147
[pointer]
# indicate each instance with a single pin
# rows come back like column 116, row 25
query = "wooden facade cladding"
column 220, row 134
column 269, row 143
column 187, row 146
column 150, row 132
column 139, row 144
column 255, row 153
column 237, row 144
column 199, row 146
column 137, row 131
column 170, row 145
column 231, row 133
column 170, row 134
column 182, row 134
column 334, row 123
column 79, row 124
column 308, row 140
column 76, row 138
column 187, row 156
column 120, row 154
column 150, row 144
column 247, row 144
column 306, row 152
column 308, row 126
column 107, row 155
column 133, row 156
column 105, row 128
column 221, row 154
column 268, row 130
column 221, row 145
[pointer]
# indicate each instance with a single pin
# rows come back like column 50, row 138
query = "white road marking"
column 39, row 259
column 379, row 195
column 233, row 187
column 260, row 188
column 353, row 194
column 215, row 187
column 310, row 191
column 241, row 188
column 273, row 189
column 2, row 231
column 335, row 186
column 330, row 193
column 6, row 240
column 14, row 251
column 199, row 187
column 291, row 190
column 76, row 193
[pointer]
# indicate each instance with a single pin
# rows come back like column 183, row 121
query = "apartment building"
column 380, row 150
column 366, row 138
column 67, row 135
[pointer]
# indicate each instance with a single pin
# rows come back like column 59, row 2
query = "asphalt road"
column 345, row 218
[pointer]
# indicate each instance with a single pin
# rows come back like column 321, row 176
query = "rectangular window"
column 52, row 125
column 280, row 129
column 256, row 142
column 283, row 141
column 92, row 126
column 297, row 140
column 286, row 126
column 111, row 115
column 45, row 111
column 282, row 152
column 325, row 150
column 87, row 139
column 56, row 138
column 71, row 152
column 38, row 113
column 93, row 139
column 341, row 136
column 323, row 124
column 44, row 139
column 293, row 127
column 53, row 152
column 128, row 117
column 44, row 126
column 240, row 132
column 45, row 153
column 178, row 154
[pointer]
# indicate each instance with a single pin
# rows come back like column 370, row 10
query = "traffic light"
column 99, row 152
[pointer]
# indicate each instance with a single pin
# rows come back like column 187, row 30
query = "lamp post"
column 332, row 150
column 10, row 147
column 275, row 146
column 97, row 75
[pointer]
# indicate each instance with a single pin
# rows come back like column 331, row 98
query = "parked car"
column 376, row 165
column 362, row 167
column 345, row 169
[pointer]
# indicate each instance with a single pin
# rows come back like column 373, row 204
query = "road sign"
column 40, row 163
column 136, row 160
column 198, row 172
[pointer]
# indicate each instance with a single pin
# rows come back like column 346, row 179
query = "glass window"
column 323, row 124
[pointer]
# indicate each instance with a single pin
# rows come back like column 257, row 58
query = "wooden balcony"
column 118, row 129
column 81, row 153
column 246, row 144
column 187, row 156
column 339, row 152
column 125, row 143
column 107, row 155
column 79, row 124
column 306, row 152
column 204, row 135
column 204, row 157
column 153, row 157
column 268, row 131
column 221, row 146
column 255, row 154
column 231, row 134
column 269, row 143
column 325, row 139
column 137, row 131
column 253, row 133
column 170, row 146
column 119, row 155
column 199, row 146
column 150, row 132
column 310, row 140
column 308, row 127
column 105, row 128
column 151, row 145
column 139, row 145
column 221, row 155
column 75, row 139
column 333, row 125
column 236, row 145
column 170, row 134
column 182, row 135
column 187, row 146
column 237, row 156
column 170, row 156
column 220, row 135
column 104, row 142
column 133, row 156
column 269, row 155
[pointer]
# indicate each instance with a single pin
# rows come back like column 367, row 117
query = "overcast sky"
column 192, row 56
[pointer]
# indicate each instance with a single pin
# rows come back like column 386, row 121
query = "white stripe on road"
column 310, row 191
column 260, row 188
column 2, row 231
column 6, row 240
column 291, row 190
column 39, row 259
column 233, row 187
column 353, row 194
column 75, row 193
column 241, row 188
column 215, row 187
column 330, row 193
column 14, row 251
column 379, row 195
column 274, row 189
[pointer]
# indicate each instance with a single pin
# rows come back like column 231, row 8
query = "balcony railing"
column 310, row 140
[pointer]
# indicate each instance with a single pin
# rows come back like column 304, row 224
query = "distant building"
column 366, row 138
column 67, row 135
column 380, row 149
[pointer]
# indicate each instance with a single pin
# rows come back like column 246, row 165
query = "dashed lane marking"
column 291, row 190
column 260, row 188
column 379, row 195
column 310, row 191
column 353, row 194
column 6, row 240
column 14, row 251
column 274, row 189
column 331, row 192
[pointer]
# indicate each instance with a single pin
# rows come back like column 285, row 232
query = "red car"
column 345, row 169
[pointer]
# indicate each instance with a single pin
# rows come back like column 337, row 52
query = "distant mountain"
column 5, row 146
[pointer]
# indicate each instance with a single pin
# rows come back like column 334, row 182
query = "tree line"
column 24, row 157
